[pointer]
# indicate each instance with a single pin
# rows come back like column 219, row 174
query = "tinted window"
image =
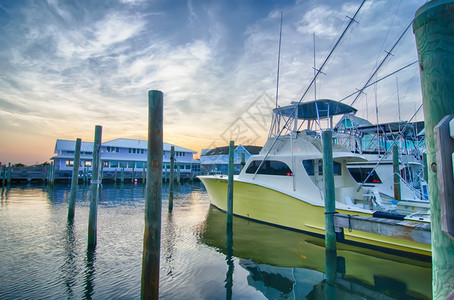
column 269, row 167
column 360, row 174
column 309, row 166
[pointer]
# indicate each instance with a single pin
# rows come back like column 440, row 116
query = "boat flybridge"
column 283, row 185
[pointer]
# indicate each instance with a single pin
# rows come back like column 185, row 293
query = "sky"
column 67, row 66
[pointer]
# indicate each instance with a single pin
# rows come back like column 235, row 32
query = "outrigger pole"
column 313, row 80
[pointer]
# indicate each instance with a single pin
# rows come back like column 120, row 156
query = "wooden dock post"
column 433, row 27
column 396, row 172
column 52, row 173
column 74, row 180
column 132, row 174
column 95, row 189
column 122, row 179
column 152, row 233
column 328, row 177
column 9, row 173
column 143, row 175
column 230, row 187
column 243, row 160
column 172, row 179
column 178, row 173
column 4, row 177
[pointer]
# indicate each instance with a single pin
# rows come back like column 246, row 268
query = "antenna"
column 278, row 61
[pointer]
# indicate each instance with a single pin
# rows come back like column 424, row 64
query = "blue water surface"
column 42, row 256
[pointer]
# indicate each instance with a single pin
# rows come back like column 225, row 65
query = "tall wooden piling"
column 328, row 177
column 122, row 178
column 172, row 179
column 4, row 177
column 243, row 160
column 74, row 180
column 433, row 27
column 9, row 173
column 95, row 188
column 152, row 233
column 396, row 172
column 52, row 173
column 178, row 173
column 143, row 174
column 230, row 186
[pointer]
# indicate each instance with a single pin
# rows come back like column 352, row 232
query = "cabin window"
column 105, row 164
column 309, row 167
column 114, row 164
column 337, row 168
column 361, row 174
column 69, row 163
column 269, row 167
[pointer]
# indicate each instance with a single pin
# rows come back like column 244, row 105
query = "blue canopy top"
column 308, row 110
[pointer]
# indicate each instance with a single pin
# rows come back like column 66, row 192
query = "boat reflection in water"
column 291, row 265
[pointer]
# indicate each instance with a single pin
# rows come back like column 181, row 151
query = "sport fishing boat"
column 375, row 142
column 283, row 185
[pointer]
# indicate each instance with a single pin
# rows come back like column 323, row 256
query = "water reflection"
column 230, row 264
column 292, row 265
column 90, row 273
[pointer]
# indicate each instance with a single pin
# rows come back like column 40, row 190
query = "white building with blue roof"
column 121, row 154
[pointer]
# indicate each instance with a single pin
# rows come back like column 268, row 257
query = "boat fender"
column 387, row 215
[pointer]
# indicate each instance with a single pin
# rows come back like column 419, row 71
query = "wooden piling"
column 74, row 180
column 396, row 172
column 95, row 188
column 4, row 177
column 230, row 186
column 9, row 173
column 52, row 173
column 143, row 174
column 122, row 175
column 178, row 173
column 328, row 177
column 433, row 27
column 132, row 175
column 152, row 233
column 243, row 160
column 172, row 179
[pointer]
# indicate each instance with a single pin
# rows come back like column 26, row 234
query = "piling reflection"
column 229, row 260
column 69, row 268
column 90, row 273
column 292, row 265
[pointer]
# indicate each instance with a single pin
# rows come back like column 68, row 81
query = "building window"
column 269, row 167
column 139, row 164
column 105, row 164
column 129, row 150
column 69, row 163
column 88, row 163
column 114, row 164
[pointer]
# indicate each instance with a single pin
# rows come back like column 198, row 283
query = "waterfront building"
column 216, row 161
column 128, row 155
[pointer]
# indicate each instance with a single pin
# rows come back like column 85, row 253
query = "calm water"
column 43, row 257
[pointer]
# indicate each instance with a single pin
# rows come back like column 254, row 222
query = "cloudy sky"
column 66, row 66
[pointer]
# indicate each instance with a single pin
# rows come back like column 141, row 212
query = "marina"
column 43, row 257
